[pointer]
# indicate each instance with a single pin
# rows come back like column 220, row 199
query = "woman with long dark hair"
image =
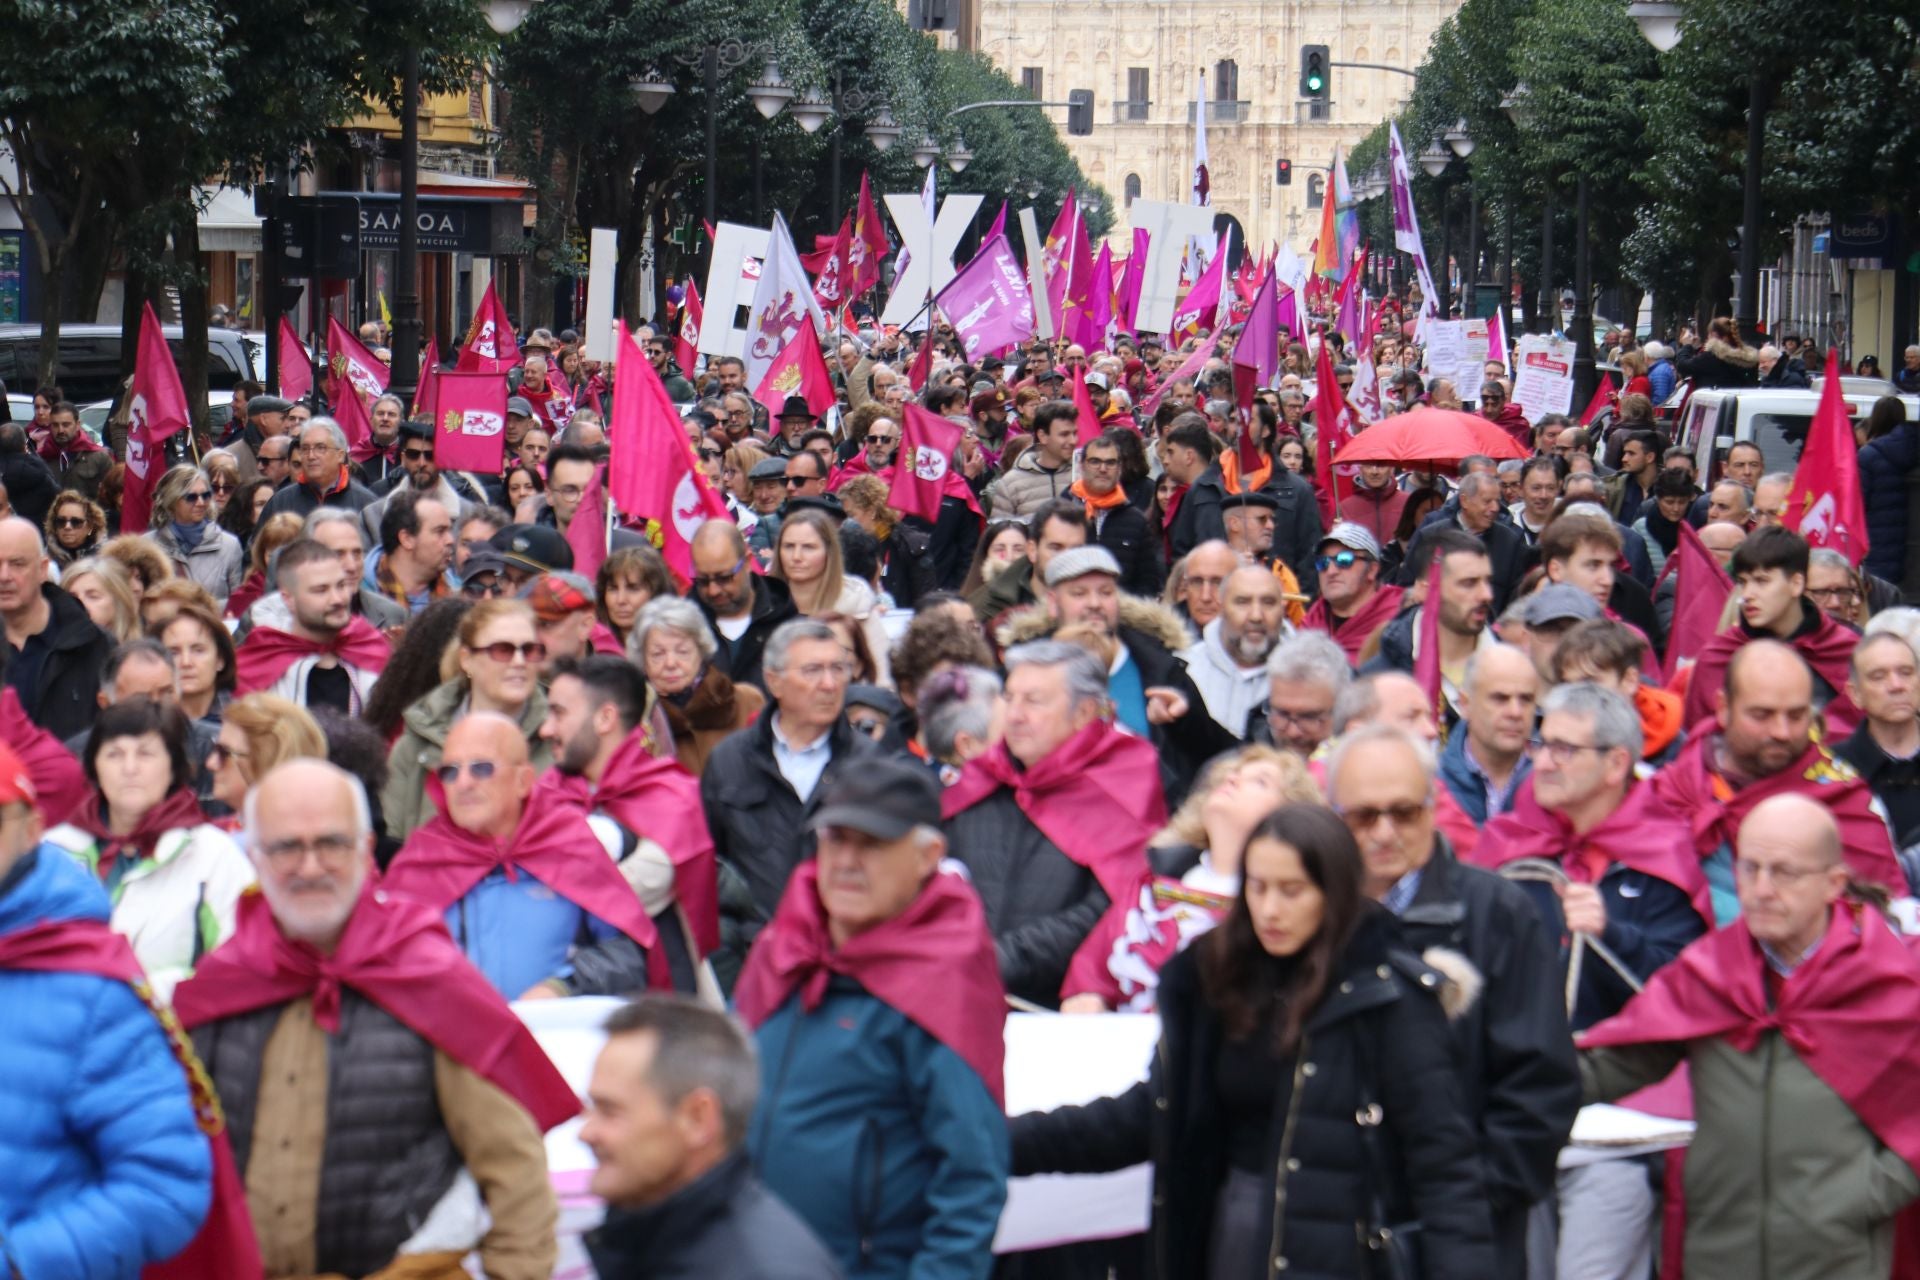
column 1302, row 1112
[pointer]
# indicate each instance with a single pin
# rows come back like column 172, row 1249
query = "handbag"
column 1393, row 1248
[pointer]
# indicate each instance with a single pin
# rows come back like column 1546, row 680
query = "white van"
column 1716, row 419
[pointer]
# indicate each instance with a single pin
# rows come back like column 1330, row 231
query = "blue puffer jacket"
column 1884, row 464
column 103, row 1168
column 883, row 1140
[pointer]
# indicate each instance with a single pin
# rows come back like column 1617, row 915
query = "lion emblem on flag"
column 472, row 422
column 929, row 464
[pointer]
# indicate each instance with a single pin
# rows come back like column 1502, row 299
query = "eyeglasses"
column 1278, row 716
column 815, row 672
column 713, row 455
column 332, row 851
column 417, row 455
column 312, row 450
column 221, row 751
column 223, row 486
column 1559, row 752
column 1781, row 874
column 1834, row 595
column 706, row 581
column 505, row 651
column 1340, row 560
column 70, row 522
column 478, row 770
column 473, row 589
column 567, row 491
column 1099, row 464
column 656, row 351
column 197, row 496
column 1366, row 817
column 794, row 482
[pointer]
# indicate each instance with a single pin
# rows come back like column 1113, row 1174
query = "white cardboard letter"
column 722, row 334
column 1169, row 227
column 1043, row 326
column 603, row 255
column 929, row 250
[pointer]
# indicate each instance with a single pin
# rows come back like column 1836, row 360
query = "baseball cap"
column 1099, row 380
column 553, row 599
column 16, row 786
column 1052, row 375
column 482, row 561
column 1559, row 602
column 884, row 799
column 519, row 405
column 1079, row 562
column 533, row 547
column 1352, row 536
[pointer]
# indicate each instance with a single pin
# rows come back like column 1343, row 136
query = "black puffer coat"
column 1379, row 1022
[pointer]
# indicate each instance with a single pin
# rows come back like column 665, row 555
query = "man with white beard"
column 1229, row 662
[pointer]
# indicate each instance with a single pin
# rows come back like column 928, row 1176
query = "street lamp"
column 1459, row 139
column 505, row 16
column 927, row 151
column 650, row 90
column 882, row 129
column 1514, row 105
column 770, row 93
column 958, row 157
column 882, row 132
column 1659, row 22
column 1435, row 159
column 811, row 110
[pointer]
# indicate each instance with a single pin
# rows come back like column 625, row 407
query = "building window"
column 1316, row 191
column 1226, row 81
column 1031, row 79
column 1132, row 188
column 1137, row 96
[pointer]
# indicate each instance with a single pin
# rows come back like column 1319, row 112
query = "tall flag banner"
column 1497, row 338
column 1192, row 365
column 781, row 302
column 1099, row 306
column 490, row 346
column 1197, row 311
column 831, row 276
column 1365, row 396
column 470, row 422
column 350, row 364
column 429, row 371
column 922, row 367
column 927, row 444
column 1406, row 225
column 1055, row 257
column 1127, row 301
column 1256, row 357
column 1701, row 588
column 1076, row 315
column 588, row 531
column 1603, row 391
column 296, row 365
column 867, row 246
column 799, row 370
column 1339, row 224
column 1197, row 246
column 1347, row 308
column 686, row 343
column 1331, row 430
column 1426, row 645
column 351, row 413
column 1825, row 497
column 652, row 472
column 929, row 202
column 155, row 411
column 987, row 302
column 1084, row 410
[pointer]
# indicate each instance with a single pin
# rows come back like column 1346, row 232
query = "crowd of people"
column 1416, row 802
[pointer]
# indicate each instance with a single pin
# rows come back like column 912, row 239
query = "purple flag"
column 1098, row 317
column 1128, row 304
column 987, row 301
column 1258, row 351
column 1290, row 315
column 1406, row 226
column 1188, row 367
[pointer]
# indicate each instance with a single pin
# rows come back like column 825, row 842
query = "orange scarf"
column 1116, row 497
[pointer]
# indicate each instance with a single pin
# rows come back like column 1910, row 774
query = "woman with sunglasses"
column 174, row 878
column 493, row 665
column 183, row 528
column 75, row 528
column 258, row 732
column 1303, row 1113
column 223, row 477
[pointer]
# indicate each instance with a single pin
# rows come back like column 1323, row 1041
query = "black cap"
column 885, row 799
column 824, row 502
column 1254, row 498
column 483, row 560
column 872, row 695
column 533, row 547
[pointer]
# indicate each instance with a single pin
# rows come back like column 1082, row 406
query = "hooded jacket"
column 1719, row 364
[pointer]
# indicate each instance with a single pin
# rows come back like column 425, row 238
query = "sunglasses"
column 1339, row 560
column 223, row 486
column 221, row 751
column 794, row 482
column 474, row 590
column 713, row 455
column 504, row 651
column 69, row 522
column 878, row 439
column 478, row 770
column 701, row 581
column 197, row 496
column 417, row 455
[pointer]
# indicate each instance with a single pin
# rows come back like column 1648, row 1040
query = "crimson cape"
column 225, row 1245
column 59, row 783
column 1689, row 786
column 179, row 809
column 934, row 962
column 269, row 651
column 1642, row 834
column 1828, row 649
column 1382, row 607
column 401, row 957
column 1096, row 796
column 653, row 796
column 441, row 863
column 1851, row 1012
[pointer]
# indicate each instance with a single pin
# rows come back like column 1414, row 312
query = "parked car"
column 88, row 365
column 1777, row 420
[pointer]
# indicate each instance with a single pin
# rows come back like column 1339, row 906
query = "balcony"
column 1131, row 111
column 1225, row 111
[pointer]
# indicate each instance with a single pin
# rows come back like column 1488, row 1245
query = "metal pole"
column 1747, row 306
column 1470, row 271
column 711, row 67
column 1582, row 305
column 406, row 294
column 839, row 130
column 1549, row 295
column 1444, row 285
column 758, row 199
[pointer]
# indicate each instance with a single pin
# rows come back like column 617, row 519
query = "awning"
column 228, row 224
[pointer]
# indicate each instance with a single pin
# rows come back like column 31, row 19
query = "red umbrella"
column 1426, row 437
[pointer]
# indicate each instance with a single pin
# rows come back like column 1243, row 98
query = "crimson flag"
column 350, row 364
column 490, row 346
column 1330, row 432
column 927, row 445
column 157, row 409
column 1602, row 397
column 1083, row 409
column 470, row 422
column 868, row 244
column 296, row 366
column 588, row 531
column 429, row 373
column 799, row 370
column 653, row 474
column 350, row 411
column 830, row 276
column 922, row 367
column 1701, row 588
column 686, row 344
column 1825, row 495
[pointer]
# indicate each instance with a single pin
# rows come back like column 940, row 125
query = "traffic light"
column 1080, row 112
column 1283, row 172
column 1316, row 71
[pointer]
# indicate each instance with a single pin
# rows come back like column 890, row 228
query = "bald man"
column 742, row 607
column 527, row 889
column 1206, row 570
column 1722, row 539
column 1760, row 745
column 1485, row 760
column 50, row 653
column 1801, row 1158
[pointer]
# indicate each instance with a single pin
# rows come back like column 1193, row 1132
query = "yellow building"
column 1144, row 60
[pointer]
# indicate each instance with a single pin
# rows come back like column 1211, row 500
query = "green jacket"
column 1783, row 1180
column 403, row 802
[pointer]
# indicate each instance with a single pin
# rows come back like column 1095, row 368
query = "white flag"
column 782, row 303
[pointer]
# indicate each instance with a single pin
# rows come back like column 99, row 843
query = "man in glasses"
column 266, row 420
column 566, row 923
column 1517, row 1072
column 417, row 472
column 660, row 356
column 795, row 420
column 326, row 986
column 806, row 475
column 1354, row 604
column 324, row 478
column 570, row 470
column 1496, row 407
column 744, row 608
column 323, row 656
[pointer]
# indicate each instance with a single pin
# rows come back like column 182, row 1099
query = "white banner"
column 1543, row 377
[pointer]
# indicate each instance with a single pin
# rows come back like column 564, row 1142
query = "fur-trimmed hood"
column 1461, row 982
column 1136, row 612
column 1744, row 357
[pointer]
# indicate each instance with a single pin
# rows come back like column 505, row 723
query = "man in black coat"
column 51, row 653
column 1296, row 525
column 1479, row 515
column 1518, row 1075
column 673, row 1094
column 759, row 784
column 28, row 482
column 1118, row 525
column 1188, row 452
column 743, row 607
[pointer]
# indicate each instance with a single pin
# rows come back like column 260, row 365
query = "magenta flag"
column 1197, row 311
column 1188, row 367
column 987, row 301
column 350, row 411
column 1098, row 316
column 490, row 346
column 927, row 444
column 1256, row 357
column 653, row 474
column 351, row 366
column 588, row 534
column 999, row 227
column 1128, row 303
column 157, row 409
column 470, row 422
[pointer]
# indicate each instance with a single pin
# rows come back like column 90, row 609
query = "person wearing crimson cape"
column 1052, row 824
column 1353, row 603
column 1800, row 1027
column 526, row 888
column 385, row 1105
column 104, row 1166
column 645, row 808
column 1770, row 574
column 881, row 1024
column 1760, row 744
column 1633, row 885
column 326, row 656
